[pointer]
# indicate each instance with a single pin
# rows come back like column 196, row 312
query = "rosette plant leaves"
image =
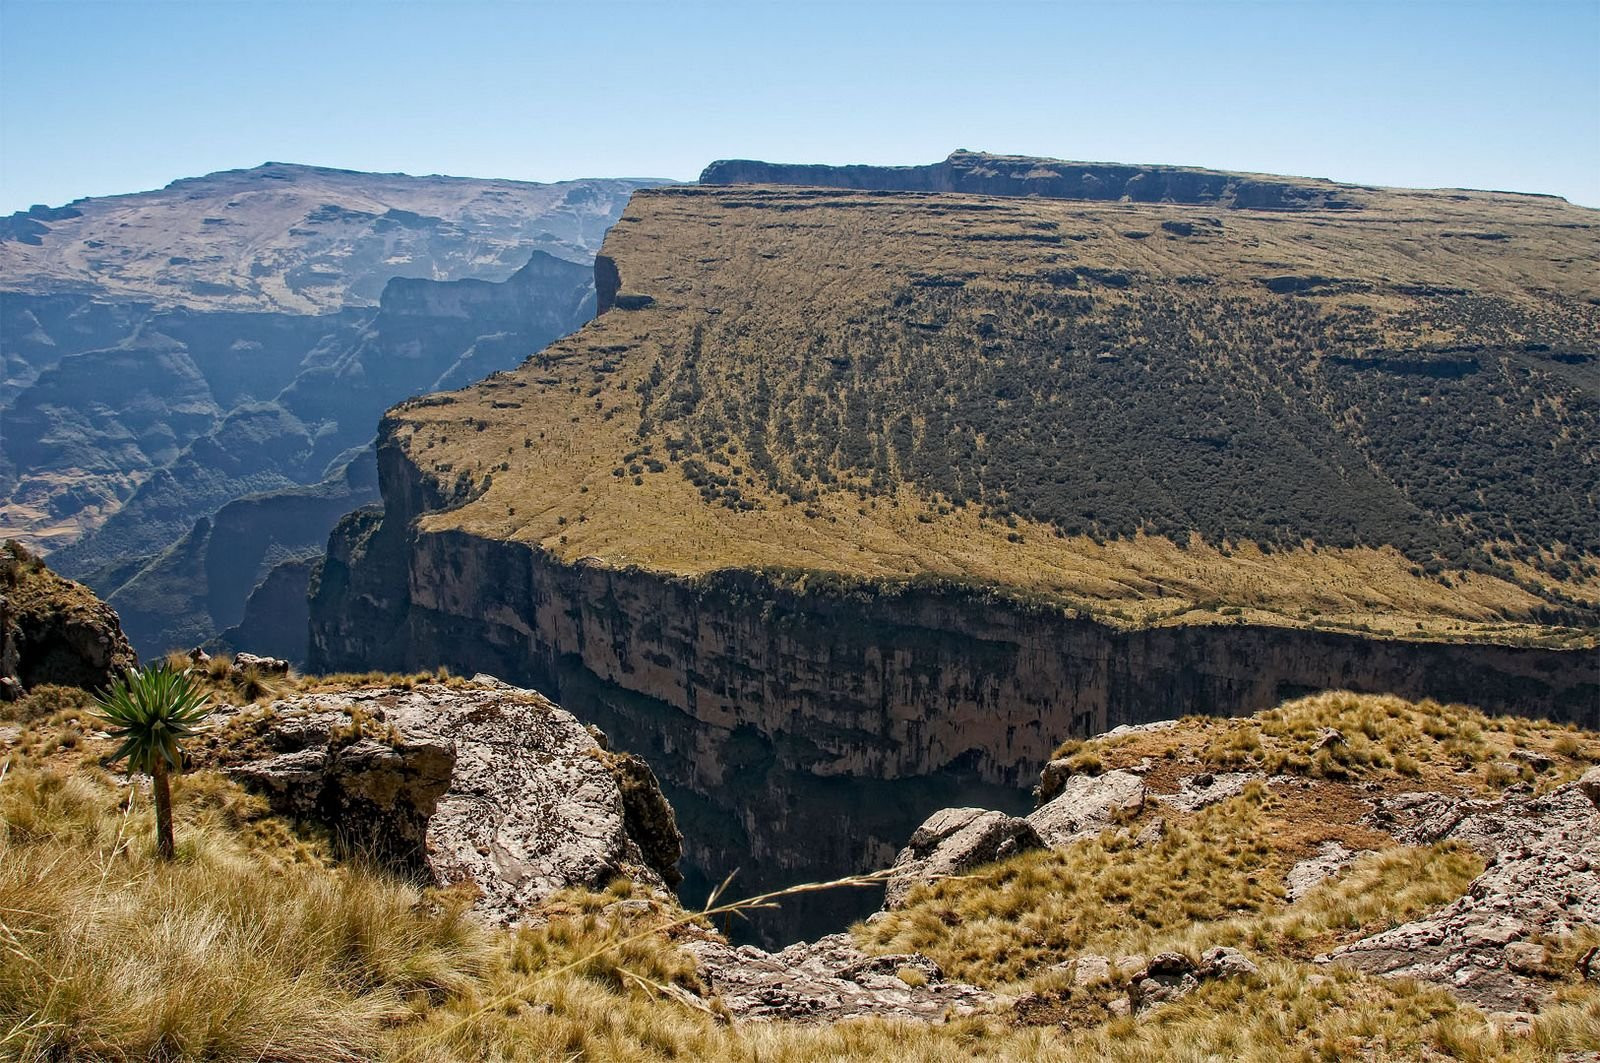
column 152, row 710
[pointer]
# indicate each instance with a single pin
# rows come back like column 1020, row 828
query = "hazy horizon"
column 1491, row 95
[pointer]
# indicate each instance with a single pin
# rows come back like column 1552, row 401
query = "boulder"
column 1203, row 790
column 954, row 841
column 53, row 630
column 1541, row 883
column 1086, row 805
column 1331, row 859
column 264, row 665
column 1590, row 785
column 477, row 783
column 828, row 980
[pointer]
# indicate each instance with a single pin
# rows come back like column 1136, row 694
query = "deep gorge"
column 803, row 734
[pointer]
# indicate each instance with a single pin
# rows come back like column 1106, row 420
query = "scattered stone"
column 10, row 734
column 1204, row 790
column 954, row 841
column 489, row 785
column 1331, row 859
column 1087, row 805
column 1225, row 962
column 828, row 980
column 1091, row 969
column 199, row 657
column 264, row 665
column 1330, row 737
column 1128, row 966
column 1152, row 833
column 1140, row 728
column 1589, row 783
column 1539, row 762
column 1423, row 817
column 1589, row 964
column 1540, row 883
column 1526, row 957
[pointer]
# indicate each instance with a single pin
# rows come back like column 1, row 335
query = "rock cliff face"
column 475, row 783
column 767, row 709
column 852, row 504
column 983, row 174
column 53, row 630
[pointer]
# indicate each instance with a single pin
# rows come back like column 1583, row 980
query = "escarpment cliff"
column 769, row 706
column 851, row 504
column 980, row 173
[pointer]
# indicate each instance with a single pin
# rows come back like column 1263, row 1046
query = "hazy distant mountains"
column 300, row 239
column 239, row 335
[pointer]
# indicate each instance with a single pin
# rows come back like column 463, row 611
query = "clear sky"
column 99, row 98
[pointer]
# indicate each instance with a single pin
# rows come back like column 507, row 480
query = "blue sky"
column 99, row 98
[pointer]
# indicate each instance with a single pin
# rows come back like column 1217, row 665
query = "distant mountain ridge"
column 300, row 239
column 164, row 354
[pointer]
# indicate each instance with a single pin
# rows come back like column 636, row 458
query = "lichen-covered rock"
column 53, row 630
column 1207, row 789
column 828, row 980
column 1541, row 882
column 1087, row 804
column 956, row 840
column 1331, row 859
column 479, row 783
column 264, row 665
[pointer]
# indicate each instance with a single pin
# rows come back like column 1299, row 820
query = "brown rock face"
column 53, row 630
column 481, row 783
column 980, row 173
column 767, row 710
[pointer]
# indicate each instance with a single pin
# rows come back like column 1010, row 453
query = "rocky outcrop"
column 956, row 840
column 828, row 980
column 1332, row 857
column 1542, row 883
column 466, row 782
column 979, row 173
column 1087, row 805
column 1207, row 788
column 53, row 630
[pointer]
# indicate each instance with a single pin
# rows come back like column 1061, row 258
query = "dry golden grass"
column 1396, row 743
column 257, row 944
column 538, row 450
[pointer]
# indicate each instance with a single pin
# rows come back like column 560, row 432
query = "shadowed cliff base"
column 803, row 731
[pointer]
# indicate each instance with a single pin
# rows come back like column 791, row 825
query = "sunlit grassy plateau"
column 1380, row 418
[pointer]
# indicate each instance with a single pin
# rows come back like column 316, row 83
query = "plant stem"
column 164, row 842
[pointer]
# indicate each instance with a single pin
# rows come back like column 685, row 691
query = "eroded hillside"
column 298, row 239
column 1379, row 416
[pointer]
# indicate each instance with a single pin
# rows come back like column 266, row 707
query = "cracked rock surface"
column 480, row 782
column 830, row 979
column 1542, row 880
column 953, row 841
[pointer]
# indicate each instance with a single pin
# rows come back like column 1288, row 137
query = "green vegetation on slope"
column 1375, row 416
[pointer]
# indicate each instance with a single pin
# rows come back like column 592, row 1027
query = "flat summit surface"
column 1379, row 415
column 301, row 239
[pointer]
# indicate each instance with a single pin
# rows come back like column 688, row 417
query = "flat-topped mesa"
column 979, row 173
column 851, row 504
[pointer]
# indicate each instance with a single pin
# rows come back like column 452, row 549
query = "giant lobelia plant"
column 152, row 710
